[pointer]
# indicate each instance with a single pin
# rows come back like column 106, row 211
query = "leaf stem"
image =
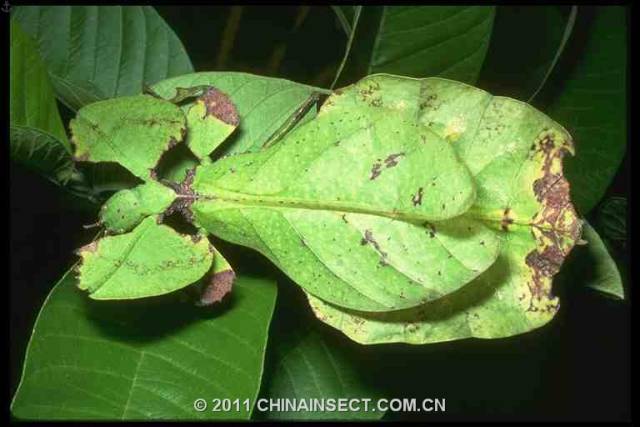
column 346, row 26
column 356, row 17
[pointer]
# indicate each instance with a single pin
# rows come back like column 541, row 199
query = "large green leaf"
column 515, row 154
column 588, row 95
column 421, row 41
column 306, row 362
column 100, row 52
column 264, row 104
column 346, row 204
column 90, row 360
column 37, row 137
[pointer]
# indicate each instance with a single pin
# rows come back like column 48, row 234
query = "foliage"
column 336, row 197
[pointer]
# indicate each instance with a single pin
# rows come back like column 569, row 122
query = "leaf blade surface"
column 515, row 154
column 100, row 52
column 90, row 360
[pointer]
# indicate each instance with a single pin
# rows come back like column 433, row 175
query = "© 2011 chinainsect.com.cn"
column 324, row 405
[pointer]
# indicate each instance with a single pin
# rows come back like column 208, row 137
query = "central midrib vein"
column 279, row 202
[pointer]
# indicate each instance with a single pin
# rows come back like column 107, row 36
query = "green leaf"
column 517, row 64
column 305, row 362
column 264, row 104
column 421, row 41
column 37, row 136
column 141, row 360
column 310, row 368
column 151, row 260
column 598, row 268
column 514, row 153
column 101, row 52
column 346, row 207
column 589, row 97
column 104, row 131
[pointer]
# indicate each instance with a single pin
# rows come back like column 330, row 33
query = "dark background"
column 577, row 367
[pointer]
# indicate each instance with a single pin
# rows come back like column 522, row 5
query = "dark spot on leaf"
column 431, row 229
column 392, row 159
column 416, row 199
column 368, row 238
column 506, row 220
column 429, row 102
column 389, row 162
column 375, row 171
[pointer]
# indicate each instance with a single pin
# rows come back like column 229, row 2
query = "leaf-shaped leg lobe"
column 220, row 281
column 151, row 260
column 133, row 131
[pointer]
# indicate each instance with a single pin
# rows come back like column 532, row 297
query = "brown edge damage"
column 556, row 226
column 218, row 286
column 219, row 105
